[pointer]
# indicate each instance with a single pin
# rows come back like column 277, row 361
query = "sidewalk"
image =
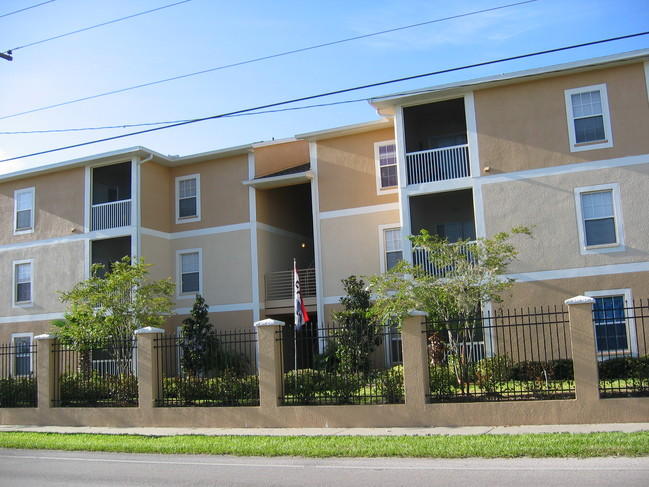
column 422, row 431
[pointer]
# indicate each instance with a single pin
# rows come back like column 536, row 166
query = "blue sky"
column 204, row 34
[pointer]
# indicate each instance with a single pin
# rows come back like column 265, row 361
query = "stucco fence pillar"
column 149, row 373
column 270, row 364
column 47, row 374
column 415, row 361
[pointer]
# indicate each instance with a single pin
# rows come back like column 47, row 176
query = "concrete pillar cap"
column 45, row 336
column 148, row 329
column 269, row 322
column 580, row 300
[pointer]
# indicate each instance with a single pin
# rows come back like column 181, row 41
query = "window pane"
column 597, row 205
column 187, row 188
column 388, row 176
column 610, row 323
column 190, row 282
column 187, row 207
column 600, row 232
column 23, row 219
column 24, row 201
column 392, row 258
column 23, row 292
column 589, row 129
column 189, row 262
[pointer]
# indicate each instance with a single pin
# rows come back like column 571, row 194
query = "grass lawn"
column 486, row 446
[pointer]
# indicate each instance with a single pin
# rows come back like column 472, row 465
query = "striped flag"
column 301, row 316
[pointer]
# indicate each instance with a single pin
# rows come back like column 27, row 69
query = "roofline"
column 358, row 128
column 413, row 96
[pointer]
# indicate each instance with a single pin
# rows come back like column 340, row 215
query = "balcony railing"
column 110, row 215
column 438, row 164
column 421, row 257
column 279, row 285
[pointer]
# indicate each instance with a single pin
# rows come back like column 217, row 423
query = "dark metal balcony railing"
column 279, row 285
column 438, row 164
column 115, row 214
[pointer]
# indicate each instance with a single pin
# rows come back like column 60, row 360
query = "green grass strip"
column 486, row 446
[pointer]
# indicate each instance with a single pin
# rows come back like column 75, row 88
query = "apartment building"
column 563, row 149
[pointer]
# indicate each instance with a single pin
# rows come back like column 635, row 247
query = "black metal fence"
column 96, row 374
column 17, row 374
column 356, row 364
column 621, row 341
column 221, row 371
column 513, row 355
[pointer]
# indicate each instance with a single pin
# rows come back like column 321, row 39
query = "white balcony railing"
column 279, row 285
column 421, row 257
column 438, row 164
column 110, row 215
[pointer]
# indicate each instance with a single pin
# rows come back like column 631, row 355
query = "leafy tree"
column 197, row 337
column 109, row 306
column 466, row 275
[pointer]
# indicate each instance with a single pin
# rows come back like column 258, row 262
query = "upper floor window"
column 600, row 228
column 24, row 211
column 589, row 124
column 23, row 283
column 188, row 208
column 385, row 154
column 189, row 271
column 392, row 247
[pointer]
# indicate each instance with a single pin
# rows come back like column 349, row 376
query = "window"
column 385, row 154
column 24, row 211
column 22, row 354
column 22, row 283
column 392, row 247
column 189, row 272
column 613, row 321
column 589, row 125
column 395, row 345
column 600, row 227
column 188, row 199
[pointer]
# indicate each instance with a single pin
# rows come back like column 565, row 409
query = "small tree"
column 110, row 305
column 197, row 337
column 467, row 274
column 357, row 337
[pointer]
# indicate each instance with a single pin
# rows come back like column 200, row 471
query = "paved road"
column 53, row 468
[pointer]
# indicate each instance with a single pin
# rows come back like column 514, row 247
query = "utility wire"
column 26, row 8
column 331, row 93
column 95, row 26
column 263, row 58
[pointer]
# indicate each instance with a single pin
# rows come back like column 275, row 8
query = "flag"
column 301, row 316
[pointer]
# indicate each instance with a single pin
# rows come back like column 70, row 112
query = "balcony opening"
column 111, row 196
column 436, row 141
column 109, row 250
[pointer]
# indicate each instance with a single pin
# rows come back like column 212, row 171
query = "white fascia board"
column 278, row 181
column 346, row 130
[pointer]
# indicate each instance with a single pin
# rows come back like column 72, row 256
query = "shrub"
column 18, row 392
column 303, row 385
column 78, row 388
column 442, row 381
column 341, row 388
column 493, row 371
column 390, row 385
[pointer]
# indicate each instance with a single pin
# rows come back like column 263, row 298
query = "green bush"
column 78, row 389
column 390, row 385
column 304, row 385
column 624, row 368
column 492, row 372
column 18, row 392
column 442, row 380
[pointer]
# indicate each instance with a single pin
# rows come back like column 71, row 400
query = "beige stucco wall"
column 555, row 242
column 221, row 320
column 350, row 245
column 58, row 208
column 347, row 171
column 157, row 195
column 273, row 157
column 523, row 126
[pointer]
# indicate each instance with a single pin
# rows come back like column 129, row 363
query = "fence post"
column 582, row 335
column 148, row 369
column 415, row 359
column 46, row 370
column 270, row 363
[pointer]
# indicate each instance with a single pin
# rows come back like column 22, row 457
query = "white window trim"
column 608, row 132
column 377, row 166
column 179, row 280
column 188, row 219
column 630, row 320
column 31, row 343
column 22, row 304
column 32, row 192
column 382, row 251
column 617, row 213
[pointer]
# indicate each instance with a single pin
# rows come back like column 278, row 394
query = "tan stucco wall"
column 523, row 126
column 350, row 245
column 555, row 241
column 347, row 171
column 224, row 199
column 276, row 157
column 221, row 320
column 157, row 197
column 58, row 208
column 156, row 251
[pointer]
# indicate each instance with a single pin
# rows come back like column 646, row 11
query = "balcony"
column 442, row 164
column 422, row 258
column 114, row 214
column 279, row 285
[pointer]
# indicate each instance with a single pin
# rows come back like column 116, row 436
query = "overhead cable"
column 331, row 93
column 26, row 8
column 263, row 58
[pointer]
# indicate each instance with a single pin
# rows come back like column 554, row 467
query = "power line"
column 263, row 58
column 95, row 26
column 331, row 93
column 26, row 8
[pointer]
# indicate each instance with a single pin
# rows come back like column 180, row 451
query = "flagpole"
column 295, row 316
